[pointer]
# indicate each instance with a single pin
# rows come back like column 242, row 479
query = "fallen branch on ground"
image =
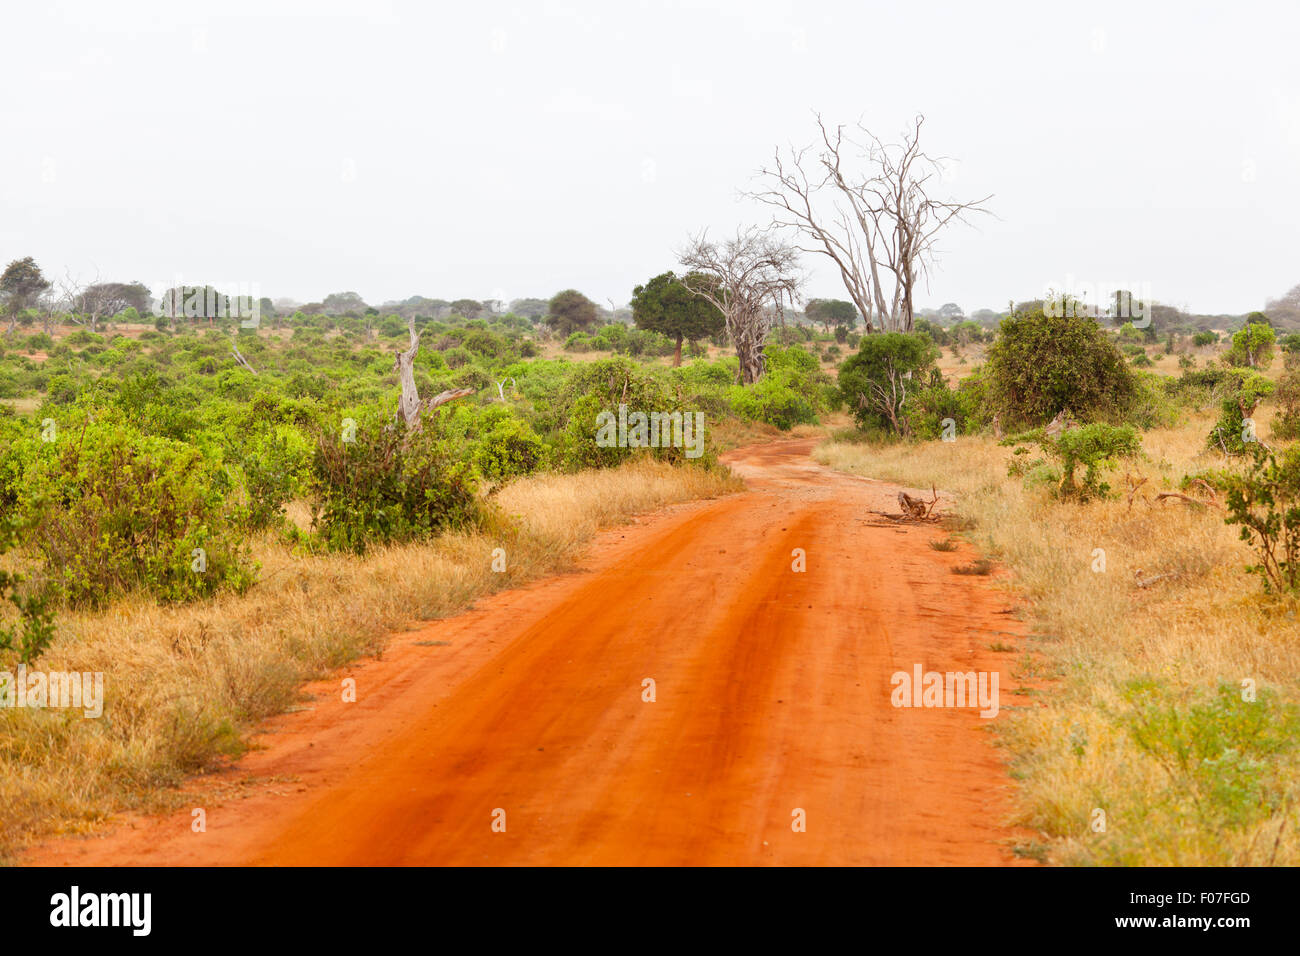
column 1188, row 498
column 914, row 509
column 1147, row 582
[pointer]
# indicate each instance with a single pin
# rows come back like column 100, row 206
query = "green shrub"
column 645, row 342
column 1218, row 751
column 1042, row 363
column 1154, row 404
column 390, row 484
column 269, row 468
column 579, row 342
column 1235, row 429
column 508, row 448
column 1252, row 346
column 1286, row 424
column 1196, row 388
column 111, row 510
column 876, row 381
column 578, row 447
column 27, row 638
column 457, row 357
column 575, row 411
column 772, row 400
column 1095, row 447
column 611, row 338
column 707, row 374
column 1265, row 501
column 931, row 405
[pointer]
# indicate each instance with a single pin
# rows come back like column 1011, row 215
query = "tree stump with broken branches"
column 410, row 407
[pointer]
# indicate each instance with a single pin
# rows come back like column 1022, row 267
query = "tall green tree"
column 469, row 308
column 570, row 311
column 194, row 302
column 529, row 308
column 1252, row 345
column 666, row 306
column 831, row 312
column 344, row 303
column 887, row 370
column 20, row 284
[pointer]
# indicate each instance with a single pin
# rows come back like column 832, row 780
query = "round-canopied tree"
column 831, row 312
column 1047, row 361
column 1252, row 345
column 666, row 306
column 570, row 311
column 887, row 370
column 20, row 284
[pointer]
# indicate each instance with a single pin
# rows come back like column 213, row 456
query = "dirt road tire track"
column 772, row 693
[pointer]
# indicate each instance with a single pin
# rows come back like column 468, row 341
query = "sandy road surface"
column 772, row 694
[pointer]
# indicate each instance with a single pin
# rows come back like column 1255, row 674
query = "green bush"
column 934, row 403
column 1154, row 404
column 508, row 448
column 457, row 357
column 575, row 411
column 772, row 400
column 1252, row 346
column 269, row 467
column 1042, row 363
column 390, row 484
column 1219, row 752
column 877, row 380
column 1265, row 501
column 1242, row 392
column 579, row 342
column 1286, row 424
column 111, row 510
column 1096, row 448
column 27, row 638
column 611, row 338
column 646, row 342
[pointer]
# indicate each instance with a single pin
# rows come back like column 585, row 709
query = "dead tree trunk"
column 409, row 408
column 749, row 279
column 239, row 357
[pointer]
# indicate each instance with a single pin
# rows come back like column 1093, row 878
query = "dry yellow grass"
column 183, row 685
column 1094, row 633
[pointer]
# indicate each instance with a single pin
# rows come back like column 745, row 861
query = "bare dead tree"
column 73, row 298
column 50, row 304
column 750, row 279
column 87, row 303
column 409, row 407
column 866, row 205
column 239, row 356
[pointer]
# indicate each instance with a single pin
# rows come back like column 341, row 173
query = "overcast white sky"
column 514, row 149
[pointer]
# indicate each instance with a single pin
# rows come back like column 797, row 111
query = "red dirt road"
column 772, row 694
